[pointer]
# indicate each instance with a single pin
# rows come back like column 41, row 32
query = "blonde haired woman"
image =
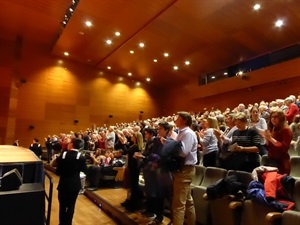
column 209, row 141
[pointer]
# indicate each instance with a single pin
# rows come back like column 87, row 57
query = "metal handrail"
column 49, row 198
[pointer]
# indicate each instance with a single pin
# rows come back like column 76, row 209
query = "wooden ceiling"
column 211, row 34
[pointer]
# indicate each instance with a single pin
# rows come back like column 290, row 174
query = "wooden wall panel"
column 58, row 91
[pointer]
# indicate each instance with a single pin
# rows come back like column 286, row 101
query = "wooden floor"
column 86, row 212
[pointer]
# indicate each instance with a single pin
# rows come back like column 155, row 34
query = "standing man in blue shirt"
column 183, row 203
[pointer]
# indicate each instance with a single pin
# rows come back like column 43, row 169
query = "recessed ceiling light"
column 60, row 61
column 88, row 23
column 66, row 53
column 154, row 60
column 109, row 42
column 279, row 23
column 108, row 67
column 120, row 79
column 71, row 10
column 148, row 79
column 166, row 54
column 213, row 77
column 129, row 74
column 138, row 83
column 81, row 33
column 131, row 52
column 117, row 33
column 142, row 45
column 239, row 73
column 256, row 7
column 175, row 67
column 187, row 62
column 225, row 73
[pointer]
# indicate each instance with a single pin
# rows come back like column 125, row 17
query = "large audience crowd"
column 234, row 139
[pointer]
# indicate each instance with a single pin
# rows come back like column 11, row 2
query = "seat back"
column 263, row 160
column 212, row 175
column 295, row 167
column 199, row 174
column 243, row 177
column 296, row 195
column 290, row 217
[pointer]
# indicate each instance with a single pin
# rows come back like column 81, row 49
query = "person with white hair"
column 292, row 109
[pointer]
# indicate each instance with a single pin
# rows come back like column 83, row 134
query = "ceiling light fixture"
column 131, row 52
column 187, row 63
column 108, row 67
column 175, row 67
column 225, row 73
column 138, row 83
column 148, row 79
column 256, row 7
column 279, row 23
column 117, row 33
column 129, row 74
column 166, row 54
column 66, row 53
column 69, row 12
column 213, row 77
column 142, row 45
column 154, row 60
column 88, row 23
column 109, row 42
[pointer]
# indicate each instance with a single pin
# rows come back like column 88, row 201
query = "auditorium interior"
column 80, row 66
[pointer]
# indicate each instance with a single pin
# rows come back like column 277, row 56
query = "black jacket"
column 69, row 168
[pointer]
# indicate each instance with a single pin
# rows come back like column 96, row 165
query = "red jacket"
column 275, row 190
column 291, row 112
column 280, row 153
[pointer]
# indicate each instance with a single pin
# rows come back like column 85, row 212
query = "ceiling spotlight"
column 81, row 33
column 256, row 7
column 279, row 23
column 240, row 73
column 109, row 42
column 154, row 60
column 166, row 54
column 213, row 77
column 187, row 63
column 142, row 45
column 131, row 52
column 66, row 53
column 88, row 23
column 120, row 79
column 129, row 74
column 64, row 22
column 117, row 33
column 138, row 83
column 175, row 68
column 60, row 62
column 225, row 73
column 71, row 10
column 148, row 79
column 108, row 67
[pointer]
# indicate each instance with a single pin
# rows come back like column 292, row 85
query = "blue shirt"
column 189, row 145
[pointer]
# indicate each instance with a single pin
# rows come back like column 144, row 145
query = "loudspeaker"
column 141, row 112
column 31, row 127
column 110, row 116
column 76, row 121
column 11, row 180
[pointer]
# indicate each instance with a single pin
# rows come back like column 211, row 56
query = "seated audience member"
column 245, row 146
column 278, row 137
column 117, row 160
column 260, row 124
column 295, row 127
column 93, row 173
column 292, row 110
column 36, row 147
